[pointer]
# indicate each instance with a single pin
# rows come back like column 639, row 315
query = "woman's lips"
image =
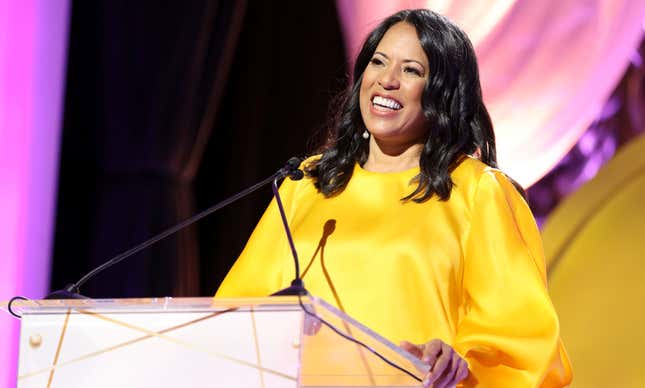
column 386, row 101
column 382, row 111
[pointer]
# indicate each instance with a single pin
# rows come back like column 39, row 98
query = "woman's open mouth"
column 385, row 103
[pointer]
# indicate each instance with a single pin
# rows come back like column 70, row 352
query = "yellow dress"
column 469, row 271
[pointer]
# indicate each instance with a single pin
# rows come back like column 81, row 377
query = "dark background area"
column 171, row 107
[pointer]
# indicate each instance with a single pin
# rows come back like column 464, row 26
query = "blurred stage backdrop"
column 119, row 119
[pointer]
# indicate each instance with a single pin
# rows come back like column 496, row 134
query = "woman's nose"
column 389, row 79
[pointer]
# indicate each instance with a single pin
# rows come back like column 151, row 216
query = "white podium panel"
column 168, row 342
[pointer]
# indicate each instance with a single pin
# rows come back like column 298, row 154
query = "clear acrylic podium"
column 172, row 342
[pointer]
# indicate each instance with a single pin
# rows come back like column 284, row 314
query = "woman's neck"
column 385, row 157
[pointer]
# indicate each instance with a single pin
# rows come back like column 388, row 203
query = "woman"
column 405, row 215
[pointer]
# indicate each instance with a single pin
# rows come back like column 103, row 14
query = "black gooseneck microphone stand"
column 297, row 286
column 72, row 291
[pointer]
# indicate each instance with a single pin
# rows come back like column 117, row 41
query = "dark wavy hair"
column 458, row 123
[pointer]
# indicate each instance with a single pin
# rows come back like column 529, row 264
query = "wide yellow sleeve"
column 259, row 268
column 509, row 333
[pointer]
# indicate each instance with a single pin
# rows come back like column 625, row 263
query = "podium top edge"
column 170, row 304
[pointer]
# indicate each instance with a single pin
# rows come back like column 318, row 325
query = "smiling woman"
column 425, row 59
column 431, row 243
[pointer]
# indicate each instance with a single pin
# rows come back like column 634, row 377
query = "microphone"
column 297, row 286
column 290, row 169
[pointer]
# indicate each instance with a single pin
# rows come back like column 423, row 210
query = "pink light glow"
column 33, row 39
column 547, row 67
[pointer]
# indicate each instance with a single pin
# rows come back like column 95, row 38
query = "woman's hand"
column 447, row 368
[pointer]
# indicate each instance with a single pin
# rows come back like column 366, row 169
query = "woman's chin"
column 394, row 137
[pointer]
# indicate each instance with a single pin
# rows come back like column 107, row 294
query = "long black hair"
column 458, row 123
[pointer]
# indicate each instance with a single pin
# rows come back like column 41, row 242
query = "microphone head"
column 296, row 175
column 291, row 169
column 294, row 162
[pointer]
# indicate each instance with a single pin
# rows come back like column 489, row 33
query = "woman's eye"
column 376, row 61
column 413, row 70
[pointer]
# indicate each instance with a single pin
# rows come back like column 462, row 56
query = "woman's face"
column 392, row 88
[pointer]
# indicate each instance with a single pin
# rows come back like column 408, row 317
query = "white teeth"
column 386, row 102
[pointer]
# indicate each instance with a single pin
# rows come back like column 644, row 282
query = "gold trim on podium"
column 58, row 347
column 257, row 347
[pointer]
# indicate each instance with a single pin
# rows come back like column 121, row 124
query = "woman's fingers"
column 431, row 352
column 447, row 368
column 447, row 379
column 462, row 371
column 438, row 355
column 415, row 350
